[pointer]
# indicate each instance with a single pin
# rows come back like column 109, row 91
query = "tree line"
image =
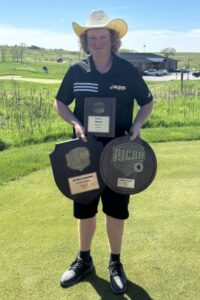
column 17, row 52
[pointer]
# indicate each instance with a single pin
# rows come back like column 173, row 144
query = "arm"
column 67, row 115
column 140, row 118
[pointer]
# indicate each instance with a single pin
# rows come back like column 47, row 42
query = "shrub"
column 3, row 145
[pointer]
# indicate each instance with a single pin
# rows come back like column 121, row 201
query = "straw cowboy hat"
column 98, row 19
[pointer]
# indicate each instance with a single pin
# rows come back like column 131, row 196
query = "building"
column 146, row 61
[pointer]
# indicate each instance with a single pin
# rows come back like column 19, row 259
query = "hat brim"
column 118, row 25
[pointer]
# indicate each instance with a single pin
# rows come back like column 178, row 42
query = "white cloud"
column 42, row 38
column 154, row 40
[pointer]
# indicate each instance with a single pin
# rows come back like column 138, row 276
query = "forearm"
column 67, row 115
column 142, row 115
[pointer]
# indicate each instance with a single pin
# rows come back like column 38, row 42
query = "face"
column 99, row 41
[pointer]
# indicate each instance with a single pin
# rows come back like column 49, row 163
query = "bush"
column 3, row 145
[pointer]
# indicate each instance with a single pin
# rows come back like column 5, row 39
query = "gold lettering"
column 126, row 155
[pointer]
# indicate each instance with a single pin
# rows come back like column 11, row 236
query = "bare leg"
column 81, row 267
column 87, row 229
column 118, row 280
column 114, row 228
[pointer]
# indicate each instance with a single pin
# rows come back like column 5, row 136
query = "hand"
column 134, row 132
column 80, row 131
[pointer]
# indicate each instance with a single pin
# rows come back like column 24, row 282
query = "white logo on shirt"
column 85, row 87
column 118, row 87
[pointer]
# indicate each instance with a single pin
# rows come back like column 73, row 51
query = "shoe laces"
column 77, row 264
column 116, row 268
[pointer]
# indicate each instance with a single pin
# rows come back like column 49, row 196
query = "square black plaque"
column 100, row 115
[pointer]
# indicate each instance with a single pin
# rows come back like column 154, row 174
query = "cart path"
column 39, row 80
column 171, row 76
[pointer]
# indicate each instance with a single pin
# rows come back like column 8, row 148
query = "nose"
column 98, row 42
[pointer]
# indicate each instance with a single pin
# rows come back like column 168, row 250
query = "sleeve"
column 141, row 91
column 65, row 92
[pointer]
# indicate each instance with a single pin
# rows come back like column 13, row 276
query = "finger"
column 83, row 137
column 132, row 137
column 126, row 133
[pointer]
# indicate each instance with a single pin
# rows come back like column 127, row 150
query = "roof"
column 143, row 56
column 156, row 59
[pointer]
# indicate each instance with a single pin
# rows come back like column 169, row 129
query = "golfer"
column 102, row 74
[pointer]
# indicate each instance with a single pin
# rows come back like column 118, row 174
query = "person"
column 102, row 74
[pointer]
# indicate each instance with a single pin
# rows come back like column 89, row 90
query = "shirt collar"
column 114, row 69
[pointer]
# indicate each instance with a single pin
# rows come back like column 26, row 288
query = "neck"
column 103, row 64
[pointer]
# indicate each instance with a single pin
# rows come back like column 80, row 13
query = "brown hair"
column 115, row 41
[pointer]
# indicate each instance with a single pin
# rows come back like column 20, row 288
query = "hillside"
column 21, row 53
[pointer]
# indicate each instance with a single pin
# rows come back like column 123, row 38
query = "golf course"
column 38, row 237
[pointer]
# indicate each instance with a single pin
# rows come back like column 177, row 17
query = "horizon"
column 77, row 51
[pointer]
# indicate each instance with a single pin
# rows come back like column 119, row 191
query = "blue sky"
column 153, row 25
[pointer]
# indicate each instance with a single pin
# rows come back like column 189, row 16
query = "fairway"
column 161, row 243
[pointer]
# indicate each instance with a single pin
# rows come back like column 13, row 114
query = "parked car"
column 154, row 72
column 184, row 70
column 162, row 72
column 150, row 72
column 196, row 73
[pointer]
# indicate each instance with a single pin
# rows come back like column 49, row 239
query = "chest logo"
column 118, row 87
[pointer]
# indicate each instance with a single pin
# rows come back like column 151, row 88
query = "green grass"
column 27, row 115
column 12, row 160
column 18, row 162
column 190, row 60
column 34, row 69
column 161, row 241
column 171, row 134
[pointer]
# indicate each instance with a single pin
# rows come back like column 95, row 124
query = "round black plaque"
column 128, row 167
column 75, row 166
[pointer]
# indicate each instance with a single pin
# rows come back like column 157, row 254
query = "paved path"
column 39, row 80
column 171, row 76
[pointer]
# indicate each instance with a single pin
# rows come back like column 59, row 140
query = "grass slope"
column 161, row 242
column 18, row 162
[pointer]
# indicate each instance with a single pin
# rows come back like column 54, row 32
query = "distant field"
column 32, row 61
column 191, row 60
column 34, row 69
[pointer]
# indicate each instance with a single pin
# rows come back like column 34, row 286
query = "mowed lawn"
column 161, row 249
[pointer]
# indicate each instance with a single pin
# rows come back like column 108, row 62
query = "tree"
column 168, row 52
column 3, row 52
column 15, row 53
column 22, row 48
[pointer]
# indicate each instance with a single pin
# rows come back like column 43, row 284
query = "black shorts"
column 114, row 205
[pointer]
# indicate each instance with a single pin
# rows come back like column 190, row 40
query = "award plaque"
column 75, row 166
column 99, row 116
column 128, row 167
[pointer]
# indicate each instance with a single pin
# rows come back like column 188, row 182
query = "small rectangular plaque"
column 126, row 183
column 83, row 183
column 99, row 116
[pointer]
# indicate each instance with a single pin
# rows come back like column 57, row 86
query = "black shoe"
column 78, row 269
column 118, row 281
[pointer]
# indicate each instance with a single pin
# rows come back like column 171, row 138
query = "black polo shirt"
column 122, row 81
